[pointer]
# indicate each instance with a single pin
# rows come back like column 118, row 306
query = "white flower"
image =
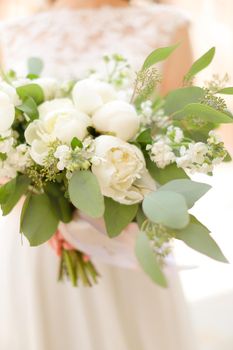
column 214, row 138
column 90, row 94
column 7, row 112
column 121, row 171
column 161, row 153
column 117, row 117
column 6, row 145
column 175, row 134
column 197, row 152
column 57, row 104
column 62, row 153
column 49, row 86
column 11, row 92
column 63, row 124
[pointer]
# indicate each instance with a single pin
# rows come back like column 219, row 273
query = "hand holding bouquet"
column 112, row 149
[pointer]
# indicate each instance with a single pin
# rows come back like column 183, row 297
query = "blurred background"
column 208, row 286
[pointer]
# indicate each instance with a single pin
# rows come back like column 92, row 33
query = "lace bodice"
column 71, row 41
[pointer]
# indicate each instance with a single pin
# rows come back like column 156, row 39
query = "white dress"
column 125, row 311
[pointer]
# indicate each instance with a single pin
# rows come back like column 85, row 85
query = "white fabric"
column 126, row 311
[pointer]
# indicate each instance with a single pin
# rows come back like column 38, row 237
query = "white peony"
column 7, row 112
column 89, row 95
column 117, row 117
column 121, row 170
column 57, row 104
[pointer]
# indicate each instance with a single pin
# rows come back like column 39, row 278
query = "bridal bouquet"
column 108, row 149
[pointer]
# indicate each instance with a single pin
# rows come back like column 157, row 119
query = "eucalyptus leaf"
column 31, row 90
column 35, row 65
column 140, row 217
column 18, row 188
column 39, row 220
column 158, row 55
column 197, row 237
column 203, row 112
column 191, row 190
column 85, row 193
column 226, row 91
column 60, row 203
column 162, row 176
column 178, row 99
column 167, row 208
column 117, row 216
column 7, row 190
column 29, row 107
column 148, row 261
column 200, row 64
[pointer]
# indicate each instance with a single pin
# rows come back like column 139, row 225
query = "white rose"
column 90, row 94
column 7, row 112
column 117, row 117
column 121, row 170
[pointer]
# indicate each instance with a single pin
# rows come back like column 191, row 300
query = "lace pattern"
column 71, row 41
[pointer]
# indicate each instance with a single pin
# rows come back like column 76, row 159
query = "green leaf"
column 145, row 137
column 148, row 261
column 228, row 158
column 15, row 190
column 178, row 99
column 226, row 91
column 167, row 208
column 191, row 190
column 35, row 65
column 7, row 190
column 165, row 175
column 76, row 143
column 203, row 112
column 140, row 217
column 85, row 193
column 117, row 216
column 29, row 107
column 60, row 203
column 31, row 90
column 39, row 220
column 158, row 55
column 200, row 64
column 197, row 237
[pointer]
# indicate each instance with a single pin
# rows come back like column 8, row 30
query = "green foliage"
column 39, row 220
column 158, row 55
column 167, row 208
column 35, row 66
column 178, row 99
column 145, row 137
column 117, row 216
column 165, row 175
column 191, row 190
column 31, row 90
column 76, row 143
column 85, row 194
column 60, row 203
column 148, row 261
column 197, row 237
column 200, row 64
column 203, row 113
column 11, row 193
column 140, row 217
column 29, row 107
column 226, row 91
